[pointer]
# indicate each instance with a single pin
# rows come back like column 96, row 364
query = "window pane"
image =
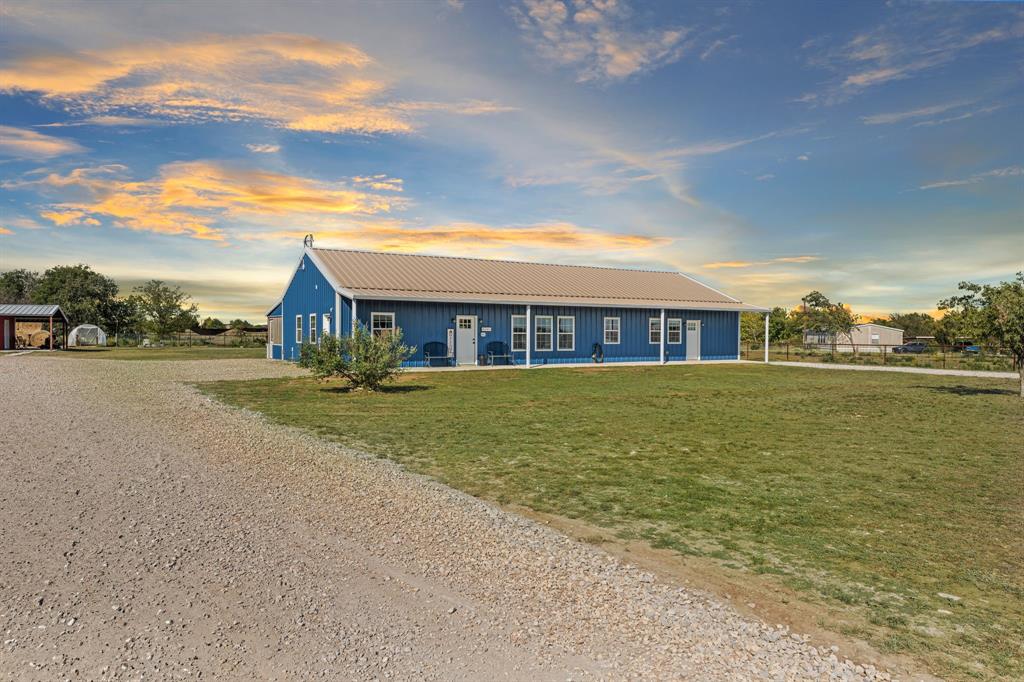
column 382, row 323
column 542, row 340
column 654, row 330
column 566, row 333
column 675, row 331
column 519, row 332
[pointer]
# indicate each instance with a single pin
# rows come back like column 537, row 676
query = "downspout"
column 766, row 337
column 529, row 335
column 661, row 337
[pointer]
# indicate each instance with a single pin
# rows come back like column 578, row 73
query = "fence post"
column 883, row 354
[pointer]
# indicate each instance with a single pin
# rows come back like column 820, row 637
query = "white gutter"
column 661, row 336
column 529, row 335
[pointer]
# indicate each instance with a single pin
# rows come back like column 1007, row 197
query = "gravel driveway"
column 149, row 533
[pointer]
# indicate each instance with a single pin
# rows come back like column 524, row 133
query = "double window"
column 382, row 323
column 520, row 335
column 542, row 332
column 612, row 327
column 674, row 330
column 298, row 329
column 312, row 328
column 654, row 330
column 566, row 333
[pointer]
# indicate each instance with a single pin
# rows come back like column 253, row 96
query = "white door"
column 693, row 339
column 465, row 340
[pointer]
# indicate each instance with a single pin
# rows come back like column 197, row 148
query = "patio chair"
column 498, row 354
column 436, row 354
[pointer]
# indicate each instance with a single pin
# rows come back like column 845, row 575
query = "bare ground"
column 150, row 533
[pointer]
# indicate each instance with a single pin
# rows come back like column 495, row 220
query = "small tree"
column 994, row 314
column 366, row 361
column 213, row 323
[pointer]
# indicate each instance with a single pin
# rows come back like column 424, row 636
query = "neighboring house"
column 865, row 338
column 534, row 313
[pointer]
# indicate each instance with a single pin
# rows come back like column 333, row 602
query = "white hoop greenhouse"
column 87, row 335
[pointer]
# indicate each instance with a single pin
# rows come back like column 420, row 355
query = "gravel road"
column 149, row 533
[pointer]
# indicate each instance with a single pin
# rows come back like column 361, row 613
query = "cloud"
column 295, row 82
column 804, row 157
column 766, row 176
column 898, row 116
column 4, row 230
column 959, row 117
column 749, row 264
column 29, row 144
column 264, row 148
column 472, row 237
column 715, row 46
column 109, row 121
column 597, row 38
column 379, row 182
column 909, row 43
column 198, row 199
column 1008, row 172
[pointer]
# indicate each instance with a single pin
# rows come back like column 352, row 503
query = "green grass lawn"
column 871, row 492
column 166, row 353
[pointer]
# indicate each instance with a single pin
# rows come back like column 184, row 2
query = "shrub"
column 364, row 360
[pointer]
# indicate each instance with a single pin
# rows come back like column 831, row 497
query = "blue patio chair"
column 436, row 354
column 498, row 354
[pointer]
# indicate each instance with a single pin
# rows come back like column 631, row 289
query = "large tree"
column 16, row 286
column 165, row 309
column 993, row 314
column 779, row 326
column 912, row 324
column 123, row 316
column 83, row 294
column 821, row 315
column 213, row 323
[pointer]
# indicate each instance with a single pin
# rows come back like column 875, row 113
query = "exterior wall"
column 425, row 322
column 859, row 339
column 9, row 342
column 308, row 293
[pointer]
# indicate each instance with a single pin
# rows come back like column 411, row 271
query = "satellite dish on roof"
column 307, row 241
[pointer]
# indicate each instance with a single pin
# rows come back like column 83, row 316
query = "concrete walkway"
column 908, row 370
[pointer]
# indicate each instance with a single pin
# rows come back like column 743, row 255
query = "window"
column 542, row 332
column 566, row 333
column 298, row 329
column 312, row 328
column 382, row 323
column 611, row 330
column 692, row 325
column 674, row 331
column 465, row 323
column 654, row 330
column 519, row 333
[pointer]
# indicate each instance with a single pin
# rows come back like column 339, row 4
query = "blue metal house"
column 469, row 311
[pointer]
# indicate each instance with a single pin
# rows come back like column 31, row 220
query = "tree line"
column 88, row 297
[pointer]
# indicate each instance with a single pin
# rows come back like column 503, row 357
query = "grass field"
column 871, row 493
column 166, row 353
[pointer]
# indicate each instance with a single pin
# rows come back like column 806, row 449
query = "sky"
column 872, row 151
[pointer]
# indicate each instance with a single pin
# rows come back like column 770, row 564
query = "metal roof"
column 30, row 310
column 399, row 276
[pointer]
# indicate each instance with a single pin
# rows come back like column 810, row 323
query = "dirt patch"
column 759, row 596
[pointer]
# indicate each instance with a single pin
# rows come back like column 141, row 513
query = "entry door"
column 465, row 340
column 693, row 339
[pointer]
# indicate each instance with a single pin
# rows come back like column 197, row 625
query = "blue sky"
column 873, row 151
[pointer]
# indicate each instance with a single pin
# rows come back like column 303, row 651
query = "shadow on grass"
column 969, row 390
column 403, row 388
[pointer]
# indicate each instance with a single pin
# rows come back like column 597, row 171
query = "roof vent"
column 307, row 241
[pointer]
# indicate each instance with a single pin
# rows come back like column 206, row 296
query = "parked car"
column 972, row 350
column 912, row 347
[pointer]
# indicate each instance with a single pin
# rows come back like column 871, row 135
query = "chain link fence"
column 933, row 356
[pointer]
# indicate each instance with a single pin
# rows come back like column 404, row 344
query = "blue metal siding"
column 425, row 322
column 309, row 292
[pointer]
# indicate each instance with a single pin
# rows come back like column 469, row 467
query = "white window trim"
column 668, row 331
column 650, row 331
column 374, row 330
column 618, row 331
column 313, row 338
column 298, row 329
column 558, row 333
column 512, row 335
column 550, row 333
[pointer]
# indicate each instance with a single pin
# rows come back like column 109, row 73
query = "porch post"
column 766, row 337
column 337, row 315
column 661, row 337
column 529, row 335
column 51, row 332
column 355, row 320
